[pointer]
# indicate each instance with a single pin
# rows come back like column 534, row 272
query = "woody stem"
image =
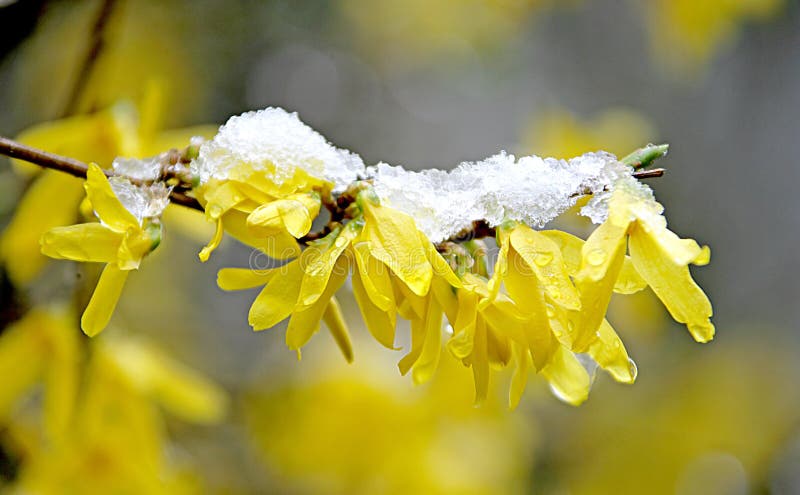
column 74, row 167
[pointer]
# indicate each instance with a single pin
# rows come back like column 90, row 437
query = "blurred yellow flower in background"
column 416, row 31
column 101, row 427
column 42, row 347
column 562, row 134
column 685, row 35
column 140, row 44
column 711, row 423
column 358, row 429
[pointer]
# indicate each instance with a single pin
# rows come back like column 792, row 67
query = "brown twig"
column 76, row 168
column 648, row 174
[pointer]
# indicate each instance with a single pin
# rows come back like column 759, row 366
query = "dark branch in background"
column 97, row 42
column 77, row 168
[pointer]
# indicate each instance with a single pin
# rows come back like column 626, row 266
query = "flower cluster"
column 407, row 241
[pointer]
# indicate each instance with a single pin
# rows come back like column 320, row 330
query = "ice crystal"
column 143, row 201
column 146, row 169
column 274, row 140
column 531, row 190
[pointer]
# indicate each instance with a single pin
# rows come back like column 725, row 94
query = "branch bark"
column 75, row 167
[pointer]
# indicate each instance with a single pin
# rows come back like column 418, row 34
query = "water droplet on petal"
column 215, row 211
column 634, row 371
column 543, row 259
column 596, row 257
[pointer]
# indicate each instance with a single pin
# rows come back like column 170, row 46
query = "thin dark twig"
column 96, row 44
column 75, row 168
column 647, row 174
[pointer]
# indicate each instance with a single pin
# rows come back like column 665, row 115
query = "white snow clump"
column 263, row 139
column 531, row 190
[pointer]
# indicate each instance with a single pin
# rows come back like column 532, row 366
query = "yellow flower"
column 126, row 233
column 301, row 290
column 659, row 256
column 392, row 272
column 491, row 330
column 261, row 213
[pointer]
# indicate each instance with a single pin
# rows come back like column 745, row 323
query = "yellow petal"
column 445, row 295
column 462, row 342
column 500, row 266
column 570, row 247
column 610, row 354
column 105, row 203
column 602, row 257
column 519, row 380
column 295, row 214
column 409, row 305
column 680, row 251
column 50, row 201
column 392, row 239
column 568, row 379
column 279, row 246
column 379, row 322
column 221, row 199
column 529, row 296
column 135, row 245
column 502, row 317
column 305, row 323
column 441, row 268
column 417, row 343
column 91, row 242
column 428, row 360
column 213, row 244
column 628, row 282
column 244, row 278
column 318, row 261
column 498, row 347
column 480, row 362
column 543, row 260
column 277, row 299
column 375, row 277
column 104, row 300
column 334, row 320
column 672, row 283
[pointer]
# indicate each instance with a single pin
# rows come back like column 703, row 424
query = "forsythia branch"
column 169, row 159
